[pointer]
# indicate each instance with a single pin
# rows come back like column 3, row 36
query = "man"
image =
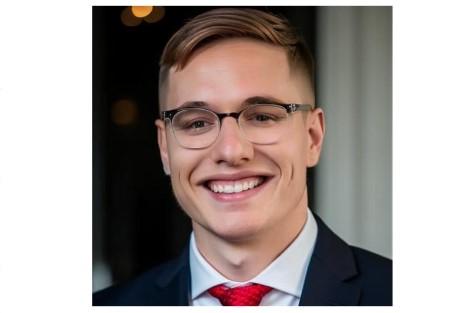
column 237, row 131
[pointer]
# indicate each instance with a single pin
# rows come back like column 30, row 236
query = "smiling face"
column 233, row 189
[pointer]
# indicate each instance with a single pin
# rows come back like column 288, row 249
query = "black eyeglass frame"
column 290, row 108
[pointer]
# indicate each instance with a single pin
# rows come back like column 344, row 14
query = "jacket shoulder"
column 150, row 288
column 375, row 277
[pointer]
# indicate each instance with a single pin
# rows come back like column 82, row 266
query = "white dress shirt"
column 285, row 274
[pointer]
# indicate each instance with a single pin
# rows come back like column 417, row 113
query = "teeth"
column 236, row 186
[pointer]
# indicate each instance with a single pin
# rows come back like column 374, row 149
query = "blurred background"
column 136, row 220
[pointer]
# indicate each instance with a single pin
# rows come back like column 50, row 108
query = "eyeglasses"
column 198, row 128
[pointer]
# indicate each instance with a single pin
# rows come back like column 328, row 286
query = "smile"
column 235, row 186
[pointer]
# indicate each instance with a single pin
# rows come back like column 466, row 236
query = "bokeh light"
column 128, row 18
column 141, row 11
column 124, row 112
column 156, row 15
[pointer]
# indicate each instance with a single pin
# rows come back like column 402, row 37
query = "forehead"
column 232, row 70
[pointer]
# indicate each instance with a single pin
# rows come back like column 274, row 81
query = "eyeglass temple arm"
column 293, row 107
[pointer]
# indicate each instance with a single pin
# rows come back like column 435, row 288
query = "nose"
column 231, row 147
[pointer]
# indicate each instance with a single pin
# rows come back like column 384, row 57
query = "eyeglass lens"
column 199, row 128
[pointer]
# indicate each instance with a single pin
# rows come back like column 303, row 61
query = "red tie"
column 244, row 295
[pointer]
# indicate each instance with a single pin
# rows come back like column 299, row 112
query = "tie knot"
column 245, row 295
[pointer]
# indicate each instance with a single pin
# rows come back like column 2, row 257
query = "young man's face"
column 224, row 75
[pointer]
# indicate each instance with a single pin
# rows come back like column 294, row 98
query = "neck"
column 243, row 260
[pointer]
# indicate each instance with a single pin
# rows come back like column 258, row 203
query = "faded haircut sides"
column 227, row 23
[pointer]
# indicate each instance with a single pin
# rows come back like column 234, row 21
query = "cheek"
column 183, row 164
column 181, row 171
column 293, row 160
column 289, row 158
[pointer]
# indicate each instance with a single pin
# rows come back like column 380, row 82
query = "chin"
column 237, row 229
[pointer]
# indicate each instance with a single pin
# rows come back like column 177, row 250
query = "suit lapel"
column 331, row 267
column 174, row 285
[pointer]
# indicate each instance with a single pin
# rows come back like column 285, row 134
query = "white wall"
column 354, row 176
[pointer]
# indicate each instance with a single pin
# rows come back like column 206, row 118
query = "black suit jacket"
column 338, row 274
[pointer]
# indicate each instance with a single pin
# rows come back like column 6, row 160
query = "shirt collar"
column 286, row 273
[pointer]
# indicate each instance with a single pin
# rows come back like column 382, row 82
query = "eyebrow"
column 193, row 104
column 248, row 101
column 262, row 100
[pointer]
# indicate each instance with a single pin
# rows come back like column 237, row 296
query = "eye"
column 197, row 124
column 263, row 117
column 194, row 121
column 195, row 127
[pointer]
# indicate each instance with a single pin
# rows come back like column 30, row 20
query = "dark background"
column 136, row 220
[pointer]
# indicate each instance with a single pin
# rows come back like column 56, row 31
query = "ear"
column 162, row 141
column 316, row 129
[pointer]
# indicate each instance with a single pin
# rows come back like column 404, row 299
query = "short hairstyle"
column 227, row 23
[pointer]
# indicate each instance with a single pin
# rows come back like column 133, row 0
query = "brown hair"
column 227, row 23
